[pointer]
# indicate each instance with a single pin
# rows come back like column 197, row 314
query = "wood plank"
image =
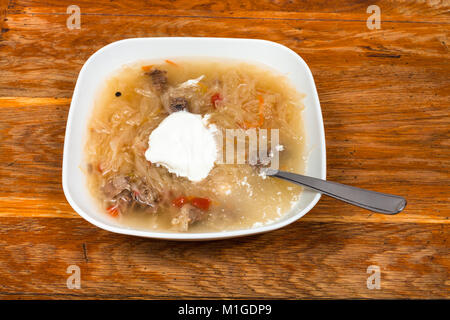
column 37, row 205
column 407, row 11
column 344, row 55
column 304, row 260
column 31, row 149
column 3, row 8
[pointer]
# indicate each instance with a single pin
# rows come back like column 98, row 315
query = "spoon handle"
column 371, row 200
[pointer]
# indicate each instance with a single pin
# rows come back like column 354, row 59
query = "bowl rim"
column 190, row 236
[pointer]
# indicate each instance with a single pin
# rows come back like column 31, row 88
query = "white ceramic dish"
column 113, row 56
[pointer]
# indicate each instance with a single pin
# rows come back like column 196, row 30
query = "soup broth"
column 235, row 95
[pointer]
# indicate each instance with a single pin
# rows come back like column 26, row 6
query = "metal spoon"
column 370, row 200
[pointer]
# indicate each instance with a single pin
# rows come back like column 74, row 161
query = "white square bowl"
column 111, row 57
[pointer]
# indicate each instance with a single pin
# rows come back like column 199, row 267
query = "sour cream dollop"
column 185, row 144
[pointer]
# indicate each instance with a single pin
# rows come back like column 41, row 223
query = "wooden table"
column 385, row 102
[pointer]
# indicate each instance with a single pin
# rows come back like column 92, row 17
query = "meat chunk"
column 178, row 104
column 116, row 185
column 123, row 200
column 144, row 194
column 187, row 216
column 159, row 79
column 126, row 194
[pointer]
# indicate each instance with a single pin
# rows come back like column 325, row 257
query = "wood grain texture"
column 385, row 102
column 412, row 56
column 392, row 10
column 322, row 260
column 3, row 8
column 31, row 160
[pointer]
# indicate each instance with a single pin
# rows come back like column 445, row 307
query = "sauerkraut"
column 235, row 95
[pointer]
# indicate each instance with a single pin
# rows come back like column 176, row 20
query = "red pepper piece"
column 201, row 203
column 214, row 98
column 180, row 201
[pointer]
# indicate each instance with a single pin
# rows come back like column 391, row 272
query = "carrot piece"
column 147, row 68
column 171, row 62
column 248, row 124
column 260, row 99
column 113, row 210
column 214, row 98
column 180, row 201
column 201, row 203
